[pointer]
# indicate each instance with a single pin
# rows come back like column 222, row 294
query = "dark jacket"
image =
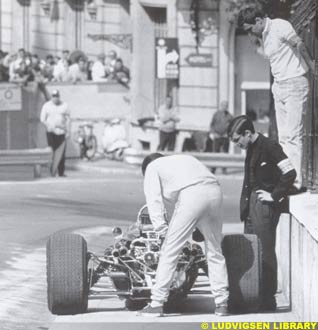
column 262, row 172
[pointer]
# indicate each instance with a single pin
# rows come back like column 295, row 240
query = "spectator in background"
column 55, row 116
column 28, row 59
column 15, row 62
column 218, row 130
column 89, row 70
column 110, row 61
column 168, row 118
column 64, row 75
column 121, row 73
column 98, row 69
column 60, row 62
column 22, row 74
column 48, row 67
column 4, row 70
column 78, row 71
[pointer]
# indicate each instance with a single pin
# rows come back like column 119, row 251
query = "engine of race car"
column 132, row 261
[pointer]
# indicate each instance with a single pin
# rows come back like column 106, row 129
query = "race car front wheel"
column 67, row 279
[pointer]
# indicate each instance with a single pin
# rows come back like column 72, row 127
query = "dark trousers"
column 58, row 145
column 221, row 144
column 167, row 140
column 262, row 221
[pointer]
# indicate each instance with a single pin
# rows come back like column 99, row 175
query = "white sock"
column 155, row 304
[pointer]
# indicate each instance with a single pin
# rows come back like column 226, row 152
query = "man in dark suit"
column 268, row 177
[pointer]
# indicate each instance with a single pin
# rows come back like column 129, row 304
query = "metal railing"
column 304, row 19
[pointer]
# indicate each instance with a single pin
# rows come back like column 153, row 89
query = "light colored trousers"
column 197, row 206
column 291, row 101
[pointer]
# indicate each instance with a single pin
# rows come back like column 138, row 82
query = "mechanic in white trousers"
column 184, row 182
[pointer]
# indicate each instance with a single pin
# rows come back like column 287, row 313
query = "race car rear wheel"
column 243, row 260
column 67, row 277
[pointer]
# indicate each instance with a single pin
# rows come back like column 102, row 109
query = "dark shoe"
column 268, row 305
column 221, row 310
column 149, row 311
column 295, row 191
column 62, row 176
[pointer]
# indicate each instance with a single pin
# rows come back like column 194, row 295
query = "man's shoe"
column 221, row 310
column 150, row 311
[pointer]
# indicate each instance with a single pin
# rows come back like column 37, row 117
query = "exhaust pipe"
column 115, row 253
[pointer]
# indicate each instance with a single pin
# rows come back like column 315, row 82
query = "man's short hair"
column 55, row 92
column 239, row 125
column 248, row 15
column 148, row 159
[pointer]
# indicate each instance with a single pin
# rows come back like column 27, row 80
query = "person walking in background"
column 289, row 61
column 168, row 117
column 218, row 130
column 184, row 183
column 55, row 115
column 268, row 176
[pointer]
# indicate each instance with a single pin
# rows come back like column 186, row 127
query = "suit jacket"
column 266, row 167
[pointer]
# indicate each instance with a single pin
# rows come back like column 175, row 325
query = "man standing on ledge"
column 289, row 61
column 268, row 176
column 56, row 118
column 186, row 184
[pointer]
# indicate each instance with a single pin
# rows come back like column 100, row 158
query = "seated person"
column 121, row 74
column 78, row 71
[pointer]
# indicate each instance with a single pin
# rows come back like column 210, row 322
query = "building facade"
column 214, row 63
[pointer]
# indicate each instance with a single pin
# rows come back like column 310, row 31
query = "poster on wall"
column 10, row 97
column 167, row 58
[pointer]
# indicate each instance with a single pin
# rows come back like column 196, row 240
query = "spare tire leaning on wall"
column 67, row 279
column 242, row 253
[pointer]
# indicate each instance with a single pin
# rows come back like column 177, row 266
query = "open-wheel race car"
column 130, row 263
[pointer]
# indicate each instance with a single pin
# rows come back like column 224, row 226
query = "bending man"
column 186, row 184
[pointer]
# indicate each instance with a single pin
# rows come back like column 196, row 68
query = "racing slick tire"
column 242, row 253
column 135, row 304
column 67, row 274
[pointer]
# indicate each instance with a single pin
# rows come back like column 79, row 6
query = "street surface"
column 89, row 202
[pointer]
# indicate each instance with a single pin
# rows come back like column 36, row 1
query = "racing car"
column 73, row 272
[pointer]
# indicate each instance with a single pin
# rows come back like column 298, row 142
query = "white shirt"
column 76, row 74
column 165, row 177
column 286, row 61
column 98, row 71
column 167, row 118
column 55, row 117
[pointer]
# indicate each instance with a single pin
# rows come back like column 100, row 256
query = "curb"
column 101, row 169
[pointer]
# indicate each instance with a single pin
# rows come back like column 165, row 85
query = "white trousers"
column 197, row 206
column 291, row 98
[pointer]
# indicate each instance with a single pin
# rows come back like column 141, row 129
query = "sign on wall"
column 10, row 97
column 167, row 58
column 199, row 60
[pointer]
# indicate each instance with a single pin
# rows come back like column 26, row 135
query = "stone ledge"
column 304, row 208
